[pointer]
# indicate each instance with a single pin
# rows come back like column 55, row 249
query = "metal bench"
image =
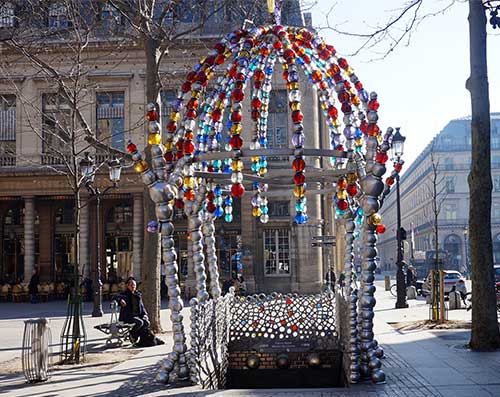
column 118, row 331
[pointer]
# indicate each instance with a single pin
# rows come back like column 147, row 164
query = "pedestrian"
column 242, row 285
column 133, row 312
column 33, row 286
column 330, row 279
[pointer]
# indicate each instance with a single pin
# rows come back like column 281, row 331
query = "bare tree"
column 53, row 44
column 398, row 30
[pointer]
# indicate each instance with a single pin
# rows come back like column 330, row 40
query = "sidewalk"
column 418, row 363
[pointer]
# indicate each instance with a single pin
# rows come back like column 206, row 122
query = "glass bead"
column 301, row 218
column 299, row 191
column 237, row 189
column 237, row 177
column 218, row 212
column 228, row 218
column 264, row 218
column 237, row 165
column 375, row 219
column 342, row 205
column 299, row 178
column 131, row 148
column 298, row 140
column 298, row 165
column 380, row 229
column 141, row 166
column 256, row 212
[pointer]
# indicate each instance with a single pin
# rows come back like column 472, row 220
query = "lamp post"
column 87, row 167
column 397, row 151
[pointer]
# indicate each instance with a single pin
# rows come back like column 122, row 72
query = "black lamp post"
column 466, row 247
column 88, row 171
column 397, row 151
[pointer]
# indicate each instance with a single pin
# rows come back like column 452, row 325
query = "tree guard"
column 193, row 167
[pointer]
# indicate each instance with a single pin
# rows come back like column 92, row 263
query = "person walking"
column 163, row 275
column 33, row 286
column 330, row 279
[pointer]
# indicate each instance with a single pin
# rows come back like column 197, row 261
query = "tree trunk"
column 484, row 334
column 151, row 250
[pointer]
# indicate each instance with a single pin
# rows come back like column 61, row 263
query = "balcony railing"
column 49, row 159
column 7, row 160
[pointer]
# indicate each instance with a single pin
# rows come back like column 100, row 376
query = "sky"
column 420, row 86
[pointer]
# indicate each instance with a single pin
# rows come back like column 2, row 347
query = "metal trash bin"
column 36, row 355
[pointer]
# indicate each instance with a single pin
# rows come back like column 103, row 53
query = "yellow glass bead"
column 263, row 171
column 295, row 106
column 255, row 159
column 141, row 166
column 324, row 105
column 335, row 122
column 195, row 94
column 355, row 100
column 299, row 191
column 380, row 138
column 256, row 211
column 351, row 178
column 342, row 194
column 293, row 86
column 189, row 182
column 375, row 219
column 169, row 146
column 175, row 116
column 237, row 166
column 358, row 141
column 236, row 129
column 219, row 104
column 154, row 139
column 349, row 71
column 264, row 108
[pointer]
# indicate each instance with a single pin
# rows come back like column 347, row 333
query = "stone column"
column 137, row 238
column 29, row 237
column 84, row 260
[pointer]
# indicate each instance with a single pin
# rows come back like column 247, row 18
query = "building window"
column 496, row 183
column 14, row 216
column 448, row 163
column 123, row 214
column 450, row 212
column 64, row 215
column 8, row 130
column 55, row 124
column 110, row 17
column 111, row 119
column 279, row 208
column 450, row 184
column 7, row 15
column 276, row 251
column 58, row 17
column 167, row 98
column 277, row 121
column 495, row 161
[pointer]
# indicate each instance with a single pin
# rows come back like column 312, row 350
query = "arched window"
column 7, row 15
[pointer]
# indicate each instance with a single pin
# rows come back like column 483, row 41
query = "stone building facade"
column 36, row 203
column 450, row 151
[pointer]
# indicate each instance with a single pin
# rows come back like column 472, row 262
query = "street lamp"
column 466, row 248
column 397, row 150
column 87, row 168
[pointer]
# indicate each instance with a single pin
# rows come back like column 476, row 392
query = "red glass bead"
column 179, row 155
column 343, row 63
column 343, row 96
column 255, row 115
column 333, row 70
column 347, row 85
column 373, row 105
column 290, row 313
column 285, row 75
column 186, row 86
column 210, row 196
column 372, row 130
column 171, row 126
column 342, row 183
column 346, row 107
column 390, row 181
column 220, row 59
column 358, row 85
column 380, row 229
column 333, row 112
column 188, row 147
column 216, row 114
column 237, row 190
column 168, row 156
column 298, row 165
column 337, row 78
column 189, row 195
column 210, row 168
column 152, row 115
column 211, row 206
column 256, row 103
column 316, row 76
column 232, row 72
column 306, row 59
column 324, row 55
column 237, row 95
column 131, row 148
column 398, row 167
column 363, row 127
column 240, row 77
column 191, row 114
column 259, row 75
column 222, row 95
column 258, row 84
column 299, row 178
column 297, row 116
column 210, row 61
column 191, row 76
column 342, row 205
column 264, row 51
column 179, row 204
column 236, row 117
column 220, row 48
column 288, row 301
column 294, row 327
column 192, row 104
column 277, row 45
column 381, row 158
column 352, row 190
column 339, row 147
column 323, row 85
column 288, row 54
column 201, row 76
column 283, row 322
column 236, row 142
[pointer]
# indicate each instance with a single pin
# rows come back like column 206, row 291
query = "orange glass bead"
column 189, row 195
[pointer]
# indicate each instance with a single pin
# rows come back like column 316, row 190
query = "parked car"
column 497, row 273
column 451, row 279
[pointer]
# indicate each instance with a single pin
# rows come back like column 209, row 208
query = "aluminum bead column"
column 373, row 187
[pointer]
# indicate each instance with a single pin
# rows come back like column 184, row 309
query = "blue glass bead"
column 218, row 212
column 301, row 218
column 228, row 200
column 264, row 209
column 263, row 141
column 228, row 218
column 218, row 191
column 268, row 70
column 360, row 212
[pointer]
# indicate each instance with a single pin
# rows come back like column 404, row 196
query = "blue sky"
column 420, row 86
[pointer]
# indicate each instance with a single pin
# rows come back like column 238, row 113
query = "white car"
column 451, row 278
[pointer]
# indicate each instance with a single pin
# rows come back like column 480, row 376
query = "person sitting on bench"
column 133, row 312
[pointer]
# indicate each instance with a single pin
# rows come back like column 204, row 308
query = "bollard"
column 454, row 300
column 35, row 356
column 387, row 280
column 411, row 292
